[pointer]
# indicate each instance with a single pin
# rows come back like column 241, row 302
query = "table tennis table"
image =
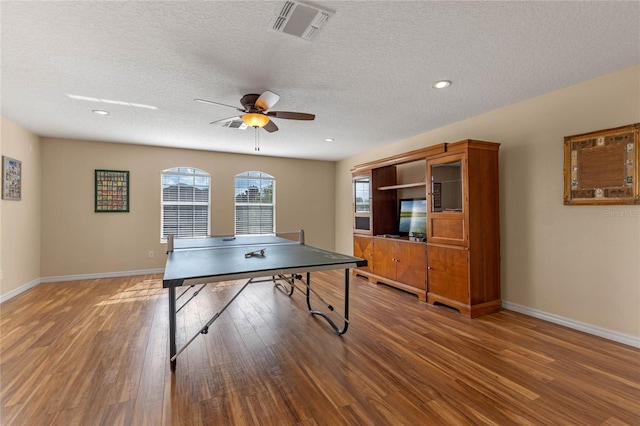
column 195, row 262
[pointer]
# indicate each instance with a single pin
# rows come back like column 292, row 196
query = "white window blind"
column 255, row 203
column 185, row 203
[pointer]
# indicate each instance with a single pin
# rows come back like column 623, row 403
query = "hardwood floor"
column 95, row 352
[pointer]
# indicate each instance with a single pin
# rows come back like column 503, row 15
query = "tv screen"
column 413, row 216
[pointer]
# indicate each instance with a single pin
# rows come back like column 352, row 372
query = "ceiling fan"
column 255, row 111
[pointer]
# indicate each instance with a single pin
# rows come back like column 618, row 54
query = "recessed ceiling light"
column 100, row 112
column 441, row 84
column 329, row 140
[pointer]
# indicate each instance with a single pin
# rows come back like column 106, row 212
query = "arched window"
column 185, row 202
column 255, row 194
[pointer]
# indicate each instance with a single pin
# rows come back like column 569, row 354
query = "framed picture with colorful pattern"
column 602, row 167
column 112, row 191
column 11, row 179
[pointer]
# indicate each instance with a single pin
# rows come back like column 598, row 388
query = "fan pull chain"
column 257, row 139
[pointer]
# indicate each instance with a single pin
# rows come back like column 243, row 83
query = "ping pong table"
column 195, row 262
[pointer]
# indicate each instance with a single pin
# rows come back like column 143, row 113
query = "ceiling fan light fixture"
column 254, row 119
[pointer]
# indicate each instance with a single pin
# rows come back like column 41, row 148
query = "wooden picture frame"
column 601, row 167
column 11, row 179
column 111, row 191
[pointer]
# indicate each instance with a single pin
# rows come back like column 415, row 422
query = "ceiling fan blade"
column 271, row 127
column 266, row 100
column 225, row 119
column 288, row 115
column 204, row 101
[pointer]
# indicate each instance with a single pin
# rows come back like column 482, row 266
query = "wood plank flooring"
column 95, row 352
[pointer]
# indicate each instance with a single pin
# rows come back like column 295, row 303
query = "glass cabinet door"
column 362, row 194
column 447, row 200
column 362, row 204
column 446, row 187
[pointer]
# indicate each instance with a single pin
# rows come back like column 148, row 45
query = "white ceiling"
column 367, row 75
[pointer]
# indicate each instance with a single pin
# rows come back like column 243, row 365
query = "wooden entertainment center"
column 451, row 252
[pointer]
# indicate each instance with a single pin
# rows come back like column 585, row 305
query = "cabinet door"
column 363, row 248
column 411, row 264
column 448, row 200
column 448, row 273
column 384, row 258
column 362, row 204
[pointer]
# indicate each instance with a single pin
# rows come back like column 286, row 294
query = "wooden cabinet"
column 464, row 228
column 459, row 264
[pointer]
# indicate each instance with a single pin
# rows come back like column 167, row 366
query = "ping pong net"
column 225, row 241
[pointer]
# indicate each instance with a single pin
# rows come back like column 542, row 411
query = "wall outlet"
column 0, row 274
column 150, row 254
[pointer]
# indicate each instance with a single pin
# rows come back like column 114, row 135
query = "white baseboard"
column 100, row 275
column 576, row 325
column 23, row 288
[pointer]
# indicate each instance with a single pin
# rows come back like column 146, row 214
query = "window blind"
column 185, row 203
column 254, row 203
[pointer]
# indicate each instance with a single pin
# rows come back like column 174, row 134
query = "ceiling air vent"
column 298, row 19
column 235, row 124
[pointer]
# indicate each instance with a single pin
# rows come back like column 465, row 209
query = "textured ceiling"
column 367, row 75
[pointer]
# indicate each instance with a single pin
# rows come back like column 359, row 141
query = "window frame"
column 261, row 177
column 181, row 174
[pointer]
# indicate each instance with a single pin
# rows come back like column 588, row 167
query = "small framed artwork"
column 11, row 179
column 601, row 167
column 112, row 191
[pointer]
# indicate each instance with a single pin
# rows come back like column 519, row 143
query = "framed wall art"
column 112, row 191
column 11, row 179
column 601, row 167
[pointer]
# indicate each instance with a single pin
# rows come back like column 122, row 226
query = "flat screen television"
column 412, row 216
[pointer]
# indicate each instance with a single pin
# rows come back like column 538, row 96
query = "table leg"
column 346, row 300
column 172, row 326
column 322, row 314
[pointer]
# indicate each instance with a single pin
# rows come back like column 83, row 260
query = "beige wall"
column 575, row 262
column 20, row 220
column 78, row 241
